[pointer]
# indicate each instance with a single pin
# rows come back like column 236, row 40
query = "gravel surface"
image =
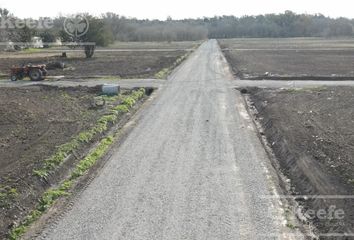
column 192, row 168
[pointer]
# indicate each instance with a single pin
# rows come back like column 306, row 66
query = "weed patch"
column 7, row 194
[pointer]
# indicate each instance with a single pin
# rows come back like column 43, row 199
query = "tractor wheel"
column 35, row 75
column 13, row 78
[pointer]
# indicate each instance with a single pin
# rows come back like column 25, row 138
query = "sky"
column 177, row 9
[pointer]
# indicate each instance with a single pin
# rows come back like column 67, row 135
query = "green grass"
column 32, row 50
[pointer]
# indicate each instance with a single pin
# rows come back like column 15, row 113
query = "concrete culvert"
column 149, row 91
column 110, row 89
column 244, row 91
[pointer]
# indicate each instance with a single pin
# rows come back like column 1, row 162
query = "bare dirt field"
column 311, row 133
column 34, row 121
column 294, row 58
column 124, row 60
column 49, row 129
column 45, row 131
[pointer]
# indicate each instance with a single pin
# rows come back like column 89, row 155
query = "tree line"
column 284, row 25
column 110, row 27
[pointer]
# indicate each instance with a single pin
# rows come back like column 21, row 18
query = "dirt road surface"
column 192, row 168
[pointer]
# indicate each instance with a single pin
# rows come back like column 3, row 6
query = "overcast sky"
column 177, row 9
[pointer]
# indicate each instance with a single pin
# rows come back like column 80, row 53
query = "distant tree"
column 4, row 12
column 98, row 32
column 48, row 37
column 118, row 26
column 109, row 27
column 4, row 33
column 23, row 35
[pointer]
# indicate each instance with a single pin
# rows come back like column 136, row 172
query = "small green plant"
column 291, row 226
column 162, row 73
column 288, row 214
column 129, row 102
column 111, row 118
column 42, row 173
column 85, row 136
column 7, row 195
column 92, row 158
column 121, row 108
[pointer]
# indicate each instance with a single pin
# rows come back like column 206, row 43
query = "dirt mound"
column 311, row 133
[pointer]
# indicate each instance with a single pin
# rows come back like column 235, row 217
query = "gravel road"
column 192, row 168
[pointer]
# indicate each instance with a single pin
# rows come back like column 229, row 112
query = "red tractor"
column 34, row 72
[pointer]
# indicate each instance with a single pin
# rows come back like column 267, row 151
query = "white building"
column 37, row 42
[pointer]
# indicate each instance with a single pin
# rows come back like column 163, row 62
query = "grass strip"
column 163, row 73
column 101, row 126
